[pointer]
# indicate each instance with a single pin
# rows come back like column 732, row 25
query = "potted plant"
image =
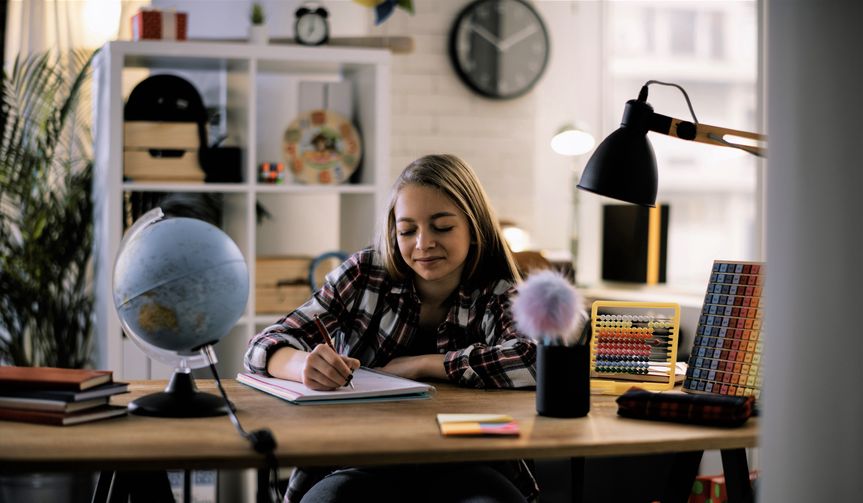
column 46, row 213
column 46, row 233
column 258, row 30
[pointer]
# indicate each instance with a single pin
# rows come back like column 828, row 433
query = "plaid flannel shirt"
column 378, row 319
column 478, row 338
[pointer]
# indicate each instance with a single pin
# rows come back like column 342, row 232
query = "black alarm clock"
column 311, row 26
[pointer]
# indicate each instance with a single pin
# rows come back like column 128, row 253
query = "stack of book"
column 58, row 396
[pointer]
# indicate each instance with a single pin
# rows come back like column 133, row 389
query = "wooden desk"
column 353, row 434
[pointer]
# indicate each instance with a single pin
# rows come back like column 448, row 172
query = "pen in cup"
column 329, row 341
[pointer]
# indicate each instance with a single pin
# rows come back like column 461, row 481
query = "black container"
column 563, row 381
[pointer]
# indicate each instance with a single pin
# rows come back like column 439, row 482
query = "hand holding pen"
column 329, row 342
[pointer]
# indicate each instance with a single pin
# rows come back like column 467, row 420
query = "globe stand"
column 181, row 398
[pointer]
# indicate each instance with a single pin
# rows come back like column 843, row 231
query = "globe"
column 180, row 285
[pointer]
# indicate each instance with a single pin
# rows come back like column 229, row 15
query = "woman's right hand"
column 327, row 370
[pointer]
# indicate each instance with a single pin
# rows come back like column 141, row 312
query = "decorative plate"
column 322, row 146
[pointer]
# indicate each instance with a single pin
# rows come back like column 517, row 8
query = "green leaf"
column 46, row 212
column 407, row 5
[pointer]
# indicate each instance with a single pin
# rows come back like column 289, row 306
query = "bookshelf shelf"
column 256, row 91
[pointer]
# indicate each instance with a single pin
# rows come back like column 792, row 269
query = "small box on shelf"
column 155, row 24
column 282, row 283
column 161, row 151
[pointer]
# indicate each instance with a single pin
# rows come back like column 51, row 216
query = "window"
column 710, row 49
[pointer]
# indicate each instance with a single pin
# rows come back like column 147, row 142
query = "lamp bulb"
column 572, row 142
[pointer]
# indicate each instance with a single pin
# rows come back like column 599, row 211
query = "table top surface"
column 349, row 434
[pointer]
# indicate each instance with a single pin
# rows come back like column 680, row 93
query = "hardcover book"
column 107, row 389
column 50, row 405
column 18, row 378
column 62, row 418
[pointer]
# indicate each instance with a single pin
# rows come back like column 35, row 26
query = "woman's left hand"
column 417, row 367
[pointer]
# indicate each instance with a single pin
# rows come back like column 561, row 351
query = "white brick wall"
column 433, row 112
column 505, row 141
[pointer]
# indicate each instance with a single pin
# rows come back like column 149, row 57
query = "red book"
column 52, row 378
column 61, row 418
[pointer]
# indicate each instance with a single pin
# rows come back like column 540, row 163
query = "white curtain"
column 40, row 25
column 34, row 26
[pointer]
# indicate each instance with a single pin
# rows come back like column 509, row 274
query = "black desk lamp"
column 623, row 166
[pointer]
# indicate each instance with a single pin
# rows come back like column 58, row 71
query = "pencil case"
column 711, row 410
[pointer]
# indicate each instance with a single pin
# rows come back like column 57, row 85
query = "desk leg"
column 263, row 493
column 103, row 486
column 684, row 469
column 137, row 487
column 150, row 487
column 576, row 466
column 187, row 486
column 736, row 469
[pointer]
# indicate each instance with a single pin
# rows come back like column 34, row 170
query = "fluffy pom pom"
column 547, row 306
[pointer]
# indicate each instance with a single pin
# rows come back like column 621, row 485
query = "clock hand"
column 517, row 37
column 482, row 32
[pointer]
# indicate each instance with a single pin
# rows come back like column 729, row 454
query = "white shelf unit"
column 256, row 87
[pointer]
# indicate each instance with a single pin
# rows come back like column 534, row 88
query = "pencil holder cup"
column 563, row 381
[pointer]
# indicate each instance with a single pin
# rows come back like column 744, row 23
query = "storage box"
column 282, row 283
column 701, row 489
column 634, row 243
column 161, row 151
column 711, row 488
column 156, row 24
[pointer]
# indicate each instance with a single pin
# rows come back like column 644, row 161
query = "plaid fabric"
column 712, row 410
column 379, row 320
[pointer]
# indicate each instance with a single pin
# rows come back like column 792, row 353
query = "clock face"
column 499, row 47
column 311, row 29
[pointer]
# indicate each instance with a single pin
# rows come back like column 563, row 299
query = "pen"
column 326, row 335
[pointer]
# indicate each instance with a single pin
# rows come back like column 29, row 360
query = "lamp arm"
column 705, row 133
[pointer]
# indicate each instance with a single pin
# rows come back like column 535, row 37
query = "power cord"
column 671, row 84
column 262, row 440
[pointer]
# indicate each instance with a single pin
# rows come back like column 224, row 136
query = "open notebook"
column 370, row 385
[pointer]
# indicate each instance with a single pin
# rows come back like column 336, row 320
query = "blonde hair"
column 456, row 180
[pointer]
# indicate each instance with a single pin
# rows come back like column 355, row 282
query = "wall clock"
column 499, row 48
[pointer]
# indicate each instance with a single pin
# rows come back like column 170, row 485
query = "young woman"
column 430, row 301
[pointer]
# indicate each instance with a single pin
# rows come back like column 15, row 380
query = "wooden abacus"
column 633, row 344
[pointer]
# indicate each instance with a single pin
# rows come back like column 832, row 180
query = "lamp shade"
column 571, row 141
column 623, row 166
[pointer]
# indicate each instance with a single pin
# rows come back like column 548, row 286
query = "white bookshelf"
column 256, row 87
